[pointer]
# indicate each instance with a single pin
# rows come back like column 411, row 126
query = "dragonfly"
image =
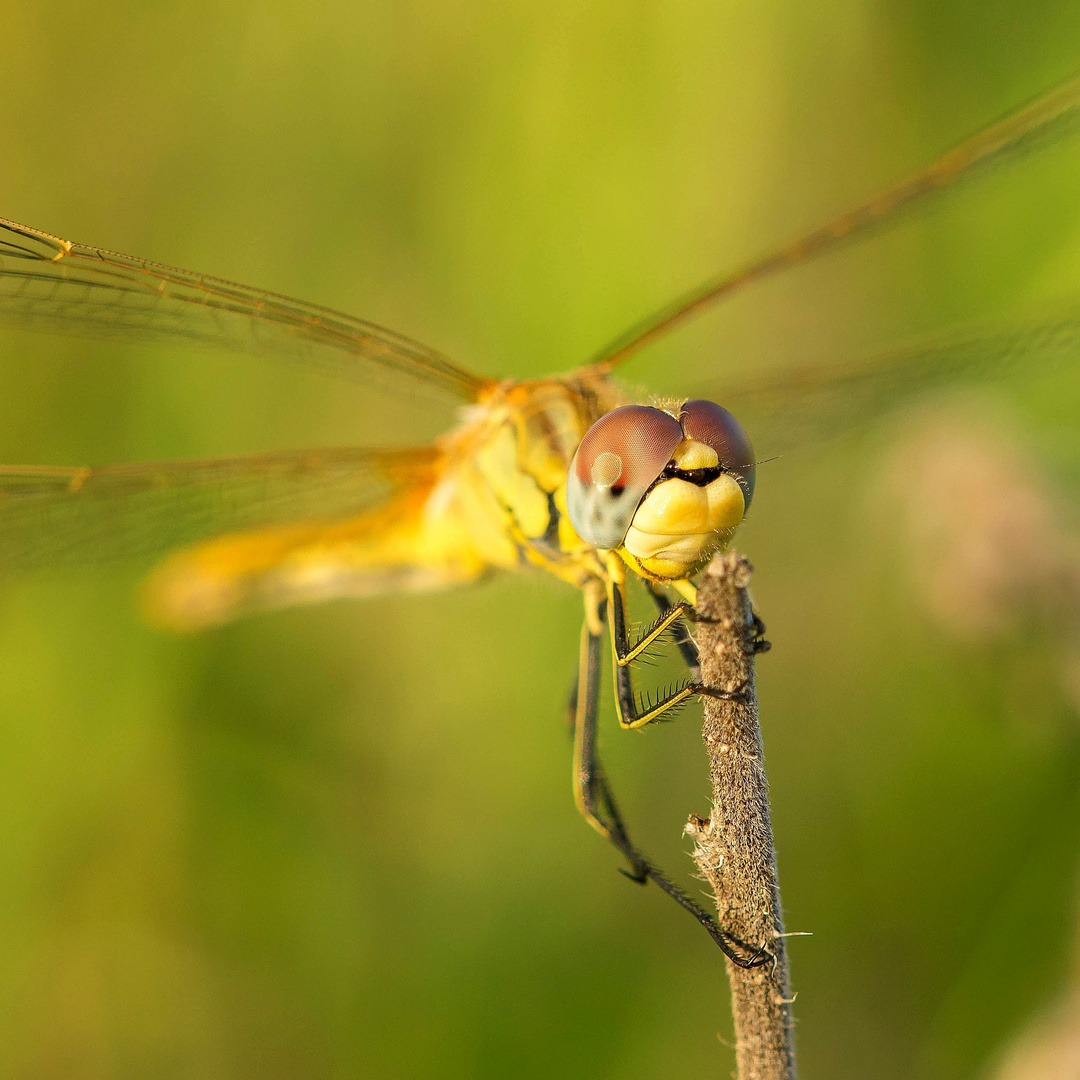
column 567, row 475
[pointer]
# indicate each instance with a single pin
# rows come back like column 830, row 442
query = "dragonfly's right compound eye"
column 620, row 457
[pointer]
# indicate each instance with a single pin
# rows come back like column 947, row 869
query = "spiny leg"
column 687, row 646
column 596, row 802
column 631, row 714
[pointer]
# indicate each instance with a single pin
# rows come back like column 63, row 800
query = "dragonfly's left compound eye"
column 709, row 423
column 619, row 458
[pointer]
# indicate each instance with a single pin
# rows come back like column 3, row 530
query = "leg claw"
column 720, row 695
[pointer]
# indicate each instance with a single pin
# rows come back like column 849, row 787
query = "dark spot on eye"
column 617, row 490
column 597, row 516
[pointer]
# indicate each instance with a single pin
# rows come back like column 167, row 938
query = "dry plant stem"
column 734, row 848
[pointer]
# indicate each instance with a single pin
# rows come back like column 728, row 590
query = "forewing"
column 70, row 516
column 52, row 284
column 795, row 407
column 1036, row 124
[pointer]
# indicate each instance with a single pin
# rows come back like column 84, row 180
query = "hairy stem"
column 734, row 846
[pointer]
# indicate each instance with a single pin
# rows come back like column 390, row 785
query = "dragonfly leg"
column 571, row 705
column 594, row 799
column 631, row 713
column 591, row 791
column 758, row 644
column 687, row 646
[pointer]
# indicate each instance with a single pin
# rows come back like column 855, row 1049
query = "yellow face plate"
column 680, row 526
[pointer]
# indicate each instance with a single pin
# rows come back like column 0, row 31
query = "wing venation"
column 51, row 284
column 800, row 405
column 51, row 516
column 1049, row 117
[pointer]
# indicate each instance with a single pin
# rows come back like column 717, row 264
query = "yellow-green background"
column 339, row 842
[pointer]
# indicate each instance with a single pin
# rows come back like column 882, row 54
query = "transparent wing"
column 1042, row 121
column 68, row 516
column 797, row 406
column 52, row 284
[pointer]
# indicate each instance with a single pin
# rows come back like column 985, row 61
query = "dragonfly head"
column 667, row 487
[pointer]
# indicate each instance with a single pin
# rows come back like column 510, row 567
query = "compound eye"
column 707, row 422
column 619, row 458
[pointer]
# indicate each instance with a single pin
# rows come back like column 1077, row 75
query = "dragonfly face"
column 664, row 489
column 563, row 474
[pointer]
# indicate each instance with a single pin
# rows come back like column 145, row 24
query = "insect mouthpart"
column 698, row 477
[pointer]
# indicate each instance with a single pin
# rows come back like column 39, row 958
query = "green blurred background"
column 339, row 842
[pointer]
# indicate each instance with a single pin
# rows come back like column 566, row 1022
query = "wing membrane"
column 800, row 405
column 1040, row 122
column 69, row 516
column 53, row 284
